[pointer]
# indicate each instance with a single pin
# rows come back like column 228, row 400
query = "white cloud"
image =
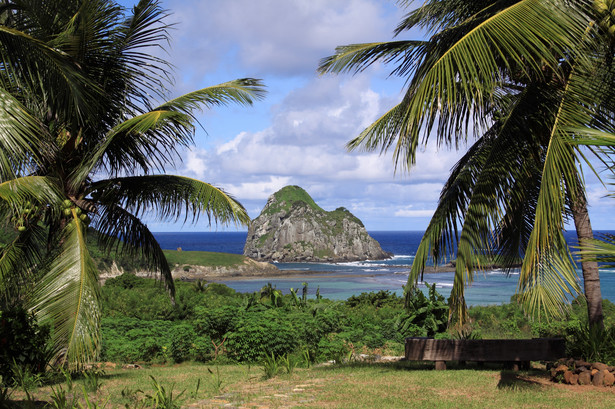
column 232, row 145
column 258, row 190
column 413, row 213
column 196, row 163
column 282, row 37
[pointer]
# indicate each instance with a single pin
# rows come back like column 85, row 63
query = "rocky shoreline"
column 253, row 270
column 249, row 268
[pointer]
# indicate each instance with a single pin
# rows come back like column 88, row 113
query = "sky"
column 297, row 134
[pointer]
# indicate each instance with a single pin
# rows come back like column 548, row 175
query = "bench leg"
column 440, row 365
column 519, row 365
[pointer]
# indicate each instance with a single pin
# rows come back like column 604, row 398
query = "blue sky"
column 297, row 135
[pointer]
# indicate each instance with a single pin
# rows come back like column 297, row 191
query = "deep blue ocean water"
column 342, row 280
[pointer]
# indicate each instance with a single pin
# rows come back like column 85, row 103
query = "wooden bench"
column 516, row 352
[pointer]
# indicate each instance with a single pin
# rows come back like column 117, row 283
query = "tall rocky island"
column 293, row 228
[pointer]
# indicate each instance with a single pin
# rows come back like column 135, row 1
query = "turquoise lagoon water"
column 342, row 280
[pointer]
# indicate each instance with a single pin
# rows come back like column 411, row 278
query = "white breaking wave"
column 439, row 285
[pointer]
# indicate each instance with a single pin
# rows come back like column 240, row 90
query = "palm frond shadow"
column 514, row 381
column 385, row 366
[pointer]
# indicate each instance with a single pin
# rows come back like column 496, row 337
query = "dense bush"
column 124, row 296
column 216, row 322
column 427, row 313
column 182, row 342
column 135, row 340
column 22, row 342
column 255, row 327
column 261, row 334
column 379, row 299
column 502, row 321
column 333, row 347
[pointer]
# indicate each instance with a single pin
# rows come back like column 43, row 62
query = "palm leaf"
column 132, row 58
column 68, row 298
column 150, row 140
column 28, row 64
column 36, row 188
column 602, row 251
column 548, row 275
column 18, row 259
column 18, row 130
column 242, row 91
column 466, row 64
column 123, row 233
column 358, row 57
column 170, row 197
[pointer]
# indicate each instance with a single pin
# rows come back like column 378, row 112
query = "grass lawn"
column 203, row 258
column 359, row 385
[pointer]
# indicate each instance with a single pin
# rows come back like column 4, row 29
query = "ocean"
column 341, row 280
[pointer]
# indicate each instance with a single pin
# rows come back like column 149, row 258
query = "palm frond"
column 548, row 274
column 123, row 233
column 356, row 58
column 37, row 188
column 170, row 197
column 441, row 236
column 151, row 140
column 18, row 260
column 28, row 64
column 464, row 65
column 242, row 91
column 599, row 250
column 18, row 131
column 144, row 74
column 68, row 298
column 432, row 15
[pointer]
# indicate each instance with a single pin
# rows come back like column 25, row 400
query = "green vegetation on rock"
column 290, row 196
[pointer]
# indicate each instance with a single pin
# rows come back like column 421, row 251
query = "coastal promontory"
column 293, row 228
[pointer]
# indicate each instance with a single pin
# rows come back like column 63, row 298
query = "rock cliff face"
column 293, row 228
column 248, row 268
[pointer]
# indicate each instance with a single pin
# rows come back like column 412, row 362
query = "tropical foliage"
column 525, row 82
column 219, row 324
column 87, row 134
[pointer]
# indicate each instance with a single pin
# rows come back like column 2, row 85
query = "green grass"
column 203, row 258
column 358, row 385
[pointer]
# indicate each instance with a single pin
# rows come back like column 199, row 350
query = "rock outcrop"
column 293, row 228
column 248, row 268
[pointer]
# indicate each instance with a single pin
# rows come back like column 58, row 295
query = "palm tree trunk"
column 591, row 276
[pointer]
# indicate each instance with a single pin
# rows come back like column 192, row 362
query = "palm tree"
column 84, row 143
column 525, row 78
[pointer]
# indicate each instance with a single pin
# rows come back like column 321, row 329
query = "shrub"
column 132, row 340
column 430, row 313
column 592, row 344
column 202, row 347
column 377, row 299
column 22, row 341
column 216, row 322
column 126, row 281
column 182, row 338
column 333, row 347
column 259, row 335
